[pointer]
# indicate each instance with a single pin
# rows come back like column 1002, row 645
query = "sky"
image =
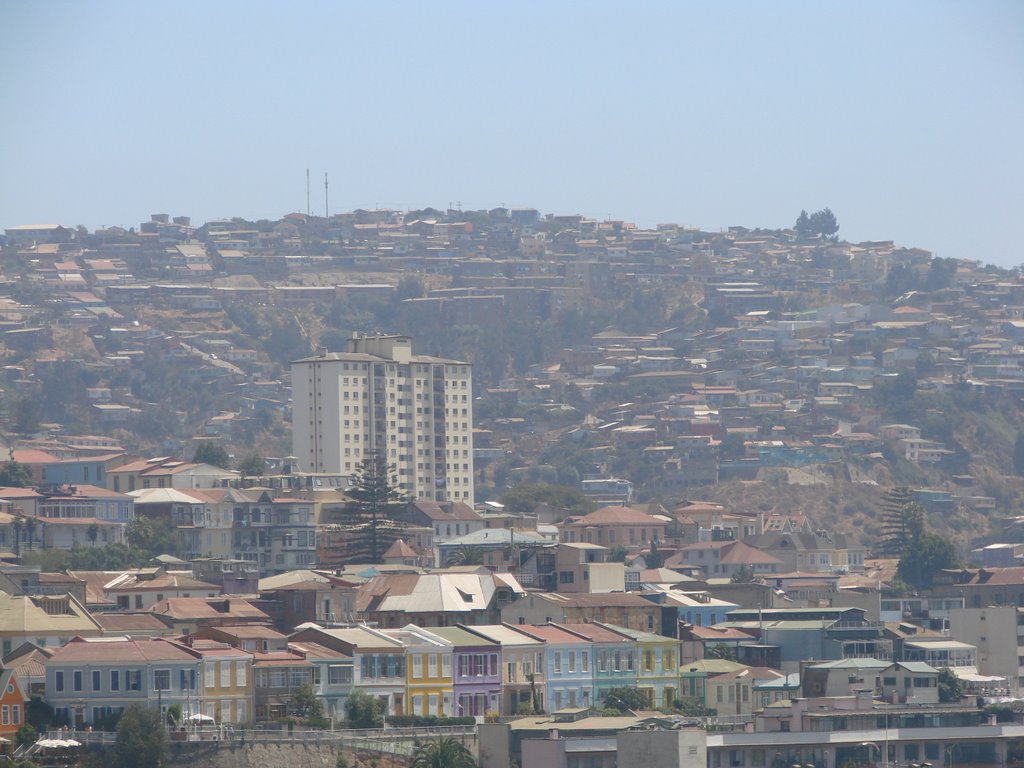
column 905, row 118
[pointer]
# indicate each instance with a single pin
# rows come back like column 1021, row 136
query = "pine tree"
column 803, row 225
column 902, row 522
column 1018, row 454
column 368, row 525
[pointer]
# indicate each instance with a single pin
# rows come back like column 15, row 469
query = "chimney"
column 322, row 352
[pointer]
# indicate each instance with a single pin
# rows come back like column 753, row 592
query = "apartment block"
column 378, row 397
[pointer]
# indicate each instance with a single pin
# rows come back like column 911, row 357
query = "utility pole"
column 308, row 209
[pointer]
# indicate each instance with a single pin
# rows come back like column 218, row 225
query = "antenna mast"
column 326, row 207
column 308, row 209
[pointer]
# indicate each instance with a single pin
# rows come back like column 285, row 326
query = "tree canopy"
column 923, row 557
column 253, row 465
column 309, row 707
column 949, row 686
column 363, row 710
column 141, row 740
column 821, row 223
column 15, row 475
column 212, row 453
column 524, row 498
column 625, row 698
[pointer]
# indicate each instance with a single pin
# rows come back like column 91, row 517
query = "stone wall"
column 287, row 755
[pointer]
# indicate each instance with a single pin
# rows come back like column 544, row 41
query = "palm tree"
column 466, row 555
column 446, row 752
column 17, row 525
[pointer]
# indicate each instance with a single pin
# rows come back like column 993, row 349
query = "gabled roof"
column 28, row 660
column 429, row 592
column 502, row 634
column 130, row 623
column 198, row 609
column 399, row 549
column 459, row 637
column 739, row 553
column 552, row 634
column 615, row 516
column 597, row 600
column 446, row 511
column 25, row 615
column 118, row 650
column 596, row 633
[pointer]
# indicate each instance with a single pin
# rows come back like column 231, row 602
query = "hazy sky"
column 906, row 118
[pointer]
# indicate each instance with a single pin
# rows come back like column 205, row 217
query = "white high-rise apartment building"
column 379, row 396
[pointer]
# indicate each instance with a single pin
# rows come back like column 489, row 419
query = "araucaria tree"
column 903, row 535
column 902, row 522
column 368, row 521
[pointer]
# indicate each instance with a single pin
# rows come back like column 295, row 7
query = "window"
column 15, row 714
column 572, row 661
column 225, row 674
column 210, row 676
column 446, row 666
column 115, row 680
column 338, row 674
column 417, row 665
column 557, row 657
column 96, row 685
column 187, row 679
column 5, row 715
column 585, row 656
column 78, row 680
column 133, row 680
column 240, row 672
column 162, row 679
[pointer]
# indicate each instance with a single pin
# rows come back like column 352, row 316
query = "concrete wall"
column 664, row 749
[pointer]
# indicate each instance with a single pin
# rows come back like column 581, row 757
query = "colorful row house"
column 476, row 668
column 522, row 667
column 570, row 681
column 228, row 674
column 89, row 681
column 657, row 669
column 428, row 669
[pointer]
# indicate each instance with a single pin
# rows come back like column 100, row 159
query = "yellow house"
column 428, row 670
column 226, row 690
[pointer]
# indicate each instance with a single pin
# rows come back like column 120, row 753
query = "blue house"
column 697, row 609
column 570, row 681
